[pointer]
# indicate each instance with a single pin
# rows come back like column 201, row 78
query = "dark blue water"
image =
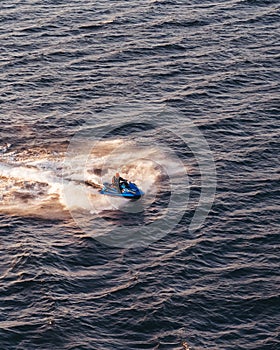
column 182, row 97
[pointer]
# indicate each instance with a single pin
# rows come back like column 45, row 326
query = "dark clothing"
column 117, row 181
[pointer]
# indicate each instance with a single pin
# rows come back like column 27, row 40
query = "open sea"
column 181, row 97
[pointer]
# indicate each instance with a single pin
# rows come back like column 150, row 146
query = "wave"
column 41, row 183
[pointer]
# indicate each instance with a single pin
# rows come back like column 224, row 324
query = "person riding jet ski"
column 120, row 187
column 119, row 182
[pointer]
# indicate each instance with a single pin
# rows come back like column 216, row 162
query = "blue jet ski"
column 127, row 190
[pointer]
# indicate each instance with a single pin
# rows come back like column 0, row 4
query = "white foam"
column 65, row 177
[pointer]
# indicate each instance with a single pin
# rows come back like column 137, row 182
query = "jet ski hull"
column 131, row 191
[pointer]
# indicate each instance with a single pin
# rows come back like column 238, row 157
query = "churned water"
column 181, row 97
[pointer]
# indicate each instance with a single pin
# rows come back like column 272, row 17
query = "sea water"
column 180, row 97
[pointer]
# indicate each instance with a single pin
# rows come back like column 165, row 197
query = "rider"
column 117, row 181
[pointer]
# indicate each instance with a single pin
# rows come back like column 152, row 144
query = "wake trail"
column 30, row 179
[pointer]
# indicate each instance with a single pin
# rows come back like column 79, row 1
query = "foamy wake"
column 44, row 182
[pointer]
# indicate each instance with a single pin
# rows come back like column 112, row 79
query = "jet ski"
column 127, row 190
